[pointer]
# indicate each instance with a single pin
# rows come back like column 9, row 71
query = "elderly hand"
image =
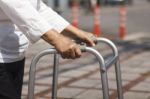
column 78, row 34
column 65, row 46
column 87, row 38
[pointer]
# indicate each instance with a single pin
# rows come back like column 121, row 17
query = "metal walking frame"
column 103, row 68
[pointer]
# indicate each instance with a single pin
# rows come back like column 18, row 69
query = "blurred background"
column 136, row 17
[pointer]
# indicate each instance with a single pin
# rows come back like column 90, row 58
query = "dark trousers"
column 11, row 79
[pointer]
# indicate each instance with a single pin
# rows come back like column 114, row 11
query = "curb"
column 136, row 36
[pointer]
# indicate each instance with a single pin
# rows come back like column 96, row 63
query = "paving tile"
column 85, row 83
column 142, row 87
column 147, row 80
column 90, row 94
column 129, row 76
column 46, row 72
column 90, row 67
column 46, row 80
column 26, row 78
column 25, row 90
column 135, row 70
column 135, row 95
column 73, row 73
column 39, row 89
column 63, row 79
column 49, row 95
column 95, row 76
column 112, row 84
column 69, row 92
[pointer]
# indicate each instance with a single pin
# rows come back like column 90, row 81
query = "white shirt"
column 24, row 18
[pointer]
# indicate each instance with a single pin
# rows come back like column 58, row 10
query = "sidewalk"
column 79, row 79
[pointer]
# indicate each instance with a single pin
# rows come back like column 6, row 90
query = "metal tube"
column 105, row 87
column 115, row 60
column 102, row 67
column 55, row 76
column 33, row 69
column 113, row 47
column 111, row 62
column 53, row 51
column 119, row 80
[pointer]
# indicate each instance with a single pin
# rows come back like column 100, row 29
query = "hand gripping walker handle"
column 83, row 49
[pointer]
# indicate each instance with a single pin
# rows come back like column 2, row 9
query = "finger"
column 92, row 38
column 89, row 42
column 72, row 54
column 72, row 51
column 63, row 55
column 77, row 52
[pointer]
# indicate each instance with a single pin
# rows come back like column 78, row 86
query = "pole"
column 75, row 12
column 55, row 76
column 122, row 27
column 97, row 17
column 57, row 6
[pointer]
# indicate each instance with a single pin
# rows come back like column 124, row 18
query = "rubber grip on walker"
column 94, row 39
column 83, row 48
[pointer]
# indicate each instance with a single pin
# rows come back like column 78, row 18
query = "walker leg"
column 55, row 76
column 118, row 79
column 105, row 87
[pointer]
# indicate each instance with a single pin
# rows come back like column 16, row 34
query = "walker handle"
column 102, row 40
column 113, row 47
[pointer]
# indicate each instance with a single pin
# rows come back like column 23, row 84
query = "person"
column 22, row 21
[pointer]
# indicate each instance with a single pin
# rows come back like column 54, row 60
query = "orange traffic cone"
column 122, row 31
column 75, row 14
column 97, row 30
column 122, row 27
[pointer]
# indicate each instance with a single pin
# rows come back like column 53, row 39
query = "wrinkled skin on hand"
column 77, row 34
column 65, row 46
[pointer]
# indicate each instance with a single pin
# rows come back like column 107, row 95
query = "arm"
column 26, row 17
column 63, row 27
column 34, row 26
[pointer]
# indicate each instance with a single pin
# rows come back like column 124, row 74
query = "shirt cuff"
column 38, row 29
column 60, row 25
column 54, row 19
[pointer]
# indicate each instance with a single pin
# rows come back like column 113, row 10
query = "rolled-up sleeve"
column 26, row 17
column 54, row 19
